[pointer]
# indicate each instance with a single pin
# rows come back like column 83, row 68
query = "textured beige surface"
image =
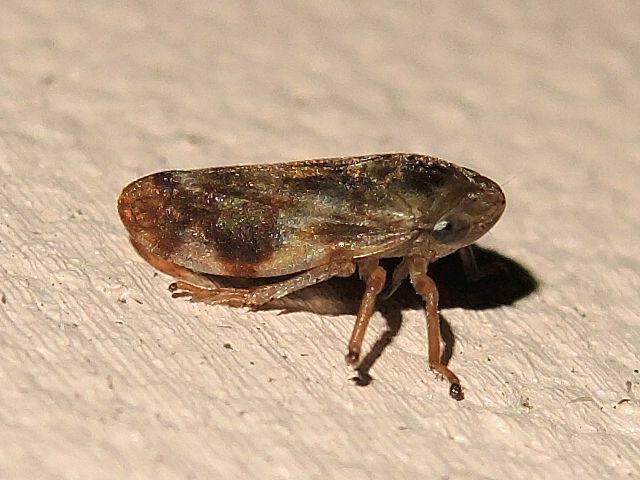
column 103, row 375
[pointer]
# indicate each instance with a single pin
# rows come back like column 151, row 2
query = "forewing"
column 268, row 220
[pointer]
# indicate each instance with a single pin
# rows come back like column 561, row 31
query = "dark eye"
column 451, row 228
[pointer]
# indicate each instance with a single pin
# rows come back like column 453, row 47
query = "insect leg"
column 469, row 264
column 256, row 296
column 472, row 271
column 261, row 295
column 374, row 276
column 235, row 297
column 427, row 289
column 399, row 274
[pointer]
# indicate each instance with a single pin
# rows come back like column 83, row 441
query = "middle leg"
column 374, row 276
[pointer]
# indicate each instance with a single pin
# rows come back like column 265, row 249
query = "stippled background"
column 103, row 375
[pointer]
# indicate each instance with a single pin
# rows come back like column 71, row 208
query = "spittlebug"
column 304, row 222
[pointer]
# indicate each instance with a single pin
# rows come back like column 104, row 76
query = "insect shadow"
column 506, row 281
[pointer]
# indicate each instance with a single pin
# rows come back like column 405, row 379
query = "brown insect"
column 301, row 223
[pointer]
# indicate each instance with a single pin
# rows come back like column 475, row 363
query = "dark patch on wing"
column 335, row 185
column 378, row 169
column 164, row 180
column 241, row 213
column 244, row 232
column 425, row 176
column 330, row 182
column 222, row 182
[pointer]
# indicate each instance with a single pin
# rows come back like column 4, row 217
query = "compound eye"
column 451, row 228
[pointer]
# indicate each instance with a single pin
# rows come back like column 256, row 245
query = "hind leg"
column 256, row 296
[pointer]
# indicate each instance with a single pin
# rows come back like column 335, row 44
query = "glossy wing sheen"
column 270, row 220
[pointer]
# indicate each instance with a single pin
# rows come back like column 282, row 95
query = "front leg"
column 472, row 271
column 427, row 289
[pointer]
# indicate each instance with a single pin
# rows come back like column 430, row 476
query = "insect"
column 304, row 222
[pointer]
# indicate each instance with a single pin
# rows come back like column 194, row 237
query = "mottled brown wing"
column 268, row 220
